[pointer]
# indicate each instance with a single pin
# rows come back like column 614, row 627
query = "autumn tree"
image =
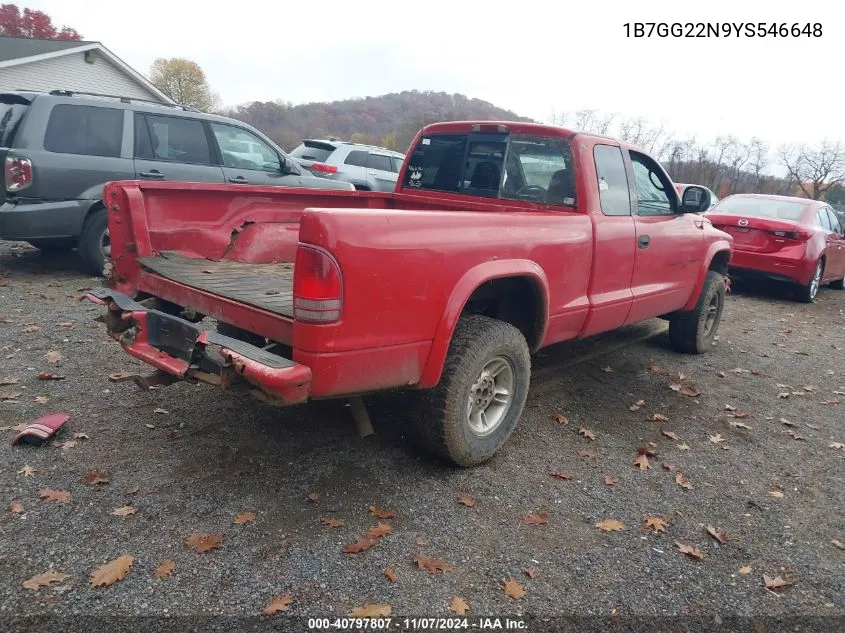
column 184, row 81
column 815, row 170
column 32, row 24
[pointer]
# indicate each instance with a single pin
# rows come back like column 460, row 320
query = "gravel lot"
column 199, row 458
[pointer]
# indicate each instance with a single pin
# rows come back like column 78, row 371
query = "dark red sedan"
column 796, row 240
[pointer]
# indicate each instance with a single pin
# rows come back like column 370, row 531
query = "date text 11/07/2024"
column 417, row 624
column 723, row 29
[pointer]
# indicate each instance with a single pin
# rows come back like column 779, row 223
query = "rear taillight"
column 18, row 173
column 316, row 286
column 801, row 236
column 322, row 168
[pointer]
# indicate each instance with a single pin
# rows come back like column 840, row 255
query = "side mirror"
column 695, row 200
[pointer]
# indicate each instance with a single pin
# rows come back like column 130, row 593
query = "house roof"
column 15, row 51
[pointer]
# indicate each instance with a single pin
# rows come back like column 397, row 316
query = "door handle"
column 153, row 173
column 240, row 180
column 643, row 241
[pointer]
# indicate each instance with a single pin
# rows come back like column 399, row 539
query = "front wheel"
column 807, row 294
column 470, row 414
column 693, row 332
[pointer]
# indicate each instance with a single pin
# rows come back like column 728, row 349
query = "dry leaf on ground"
column 332, row 523
column 432, row 565
column 776, row 582
column 668, row 466
column 279, row 603
column 10, row 394
column 6, row 381
column 655, row 524
column 371, row 611
column 390, row 574
column 55, row 496
column 683, row 482
column 244, row 517
column 54, row 357
column 587, row 433
column 131, row 490
column 777, row 494
column 657, row 417
column 513, row 589
column 745, row 570
column 610, row 525
column 540, row 518
column 639, row 404
column 670, row 434
column 687, row 390
column 204, row 542
column 560, row 418
column 719, row 535
column 16, row 506
column 716, row 439
column 94, row 477
column 838, row 543
column 28, row 471
column 45, row 579
column 607, row 370
column 610, row 480
column 111, row 572
column 683, row 447
column 466, row 500
column 380, row 530
column 585, row 453
column 689, row 550
column 558, row 474
column 459, row 606
column 362, row 544
column 165, row 569
column 123, row 511
column 314, row 496
column 642, row 462
column 531, row 572
column 381, row 513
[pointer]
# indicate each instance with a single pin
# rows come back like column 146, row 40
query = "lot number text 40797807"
column 722, row 29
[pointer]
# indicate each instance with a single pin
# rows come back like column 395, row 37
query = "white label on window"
column 426, row 141
column 603, row 185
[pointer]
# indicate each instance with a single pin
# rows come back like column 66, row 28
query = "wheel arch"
column 718, row 257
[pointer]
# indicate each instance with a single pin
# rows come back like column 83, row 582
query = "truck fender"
column 719, row 246
column 472, row 279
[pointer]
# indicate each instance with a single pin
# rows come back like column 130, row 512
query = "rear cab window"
column 87, row 130
column 505, row 166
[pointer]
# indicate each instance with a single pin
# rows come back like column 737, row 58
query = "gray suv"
column 367, row 167
column 59, row 149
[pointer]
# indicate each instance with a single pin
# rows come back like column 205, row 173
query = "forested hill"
column 390, row 120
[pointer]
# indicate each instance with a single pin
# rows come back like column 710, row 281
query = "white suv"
column 367, row 167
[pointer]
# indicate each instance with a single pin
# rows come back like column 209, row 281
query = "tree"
column 32, row 24
column 815, row 169
column 184, row 81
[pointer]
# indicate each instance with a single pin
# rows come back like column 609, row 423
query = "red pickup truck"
column 500, row 239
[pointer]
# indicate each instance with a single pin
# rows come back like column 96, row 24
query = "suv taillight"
column 322, row 168
column 18, row 173
column 316, row 286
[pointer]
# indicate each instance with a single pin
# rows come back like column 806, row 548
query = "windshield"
column 514, row 167
column 761, row 208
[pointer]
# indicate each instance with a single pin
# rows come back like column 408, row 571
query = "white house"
column 44, row 65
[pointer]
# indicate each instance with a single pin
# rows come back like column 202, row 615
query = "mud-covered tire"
column 448, row 424
column 693, row 332
column 809, row 292
column 242, row 335
column 91, row 242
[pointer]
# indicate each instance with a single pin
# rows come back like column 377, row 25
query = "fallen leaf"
column 777, row 494
column 81, row 436
column 130, row 491
column 390, row 574
column 561, row 475
column 738, row 425
column 6, row 381
column 560, row 418
column 610, row 481
column 830, row 401
column 45, row 579
column 642, row 462
column 150, row 426
column 466, row 500
column 745, row 570
column 716, row 439
column 332, row 523
column 54, row 357
column 204, row 542
column 655, row 524
column 637, row 405
column 16, row 506
column 784, row 394
column 123, row 511
column 531, row 572
column 682, row 377
column 10, row 394
column 432, row 565
column 585, row 453
column 657, row 417
column 720, row 536
column 687, row 390
column 607, row 370
column 670, row 434
column 111, row 572
column 379, row 513
column 729, row 407
column 54, row 496
column 161, row 411
column 656, row 369
column 683, row 482
column 28, row 471
column 421, row 542
column 314, row 496
column 513, row 589
column 647, row 449
column 67, row 324
column 786, row 422
column 165, row 569
column 371, row 611
column 692, row 552
column 839, row 446
column 279, row 603
column 42, row 399
column 610, row 525
column 29, row 329
column 362, row 544
column 587, row 433
column 683, row 447
column 380, row 530
column 668, row 466
column 244, row 517
column 738, row 414
column 795, row 436
column 838, row 543
column 94, row 477
column 459, row 606
column 776, row 582
column 541, row 518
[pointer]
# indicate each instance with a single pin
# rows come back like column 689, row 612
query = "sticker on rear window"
column 415, row 174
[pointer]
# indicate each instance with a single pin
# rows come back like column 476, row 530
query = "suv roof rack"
column 73, row 93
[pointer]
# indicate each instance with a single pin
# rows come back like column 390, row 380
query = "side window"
column 821, row 219
column 395, row 164
column 242, row 149
column 613, row 181
column 357, row 158
column 171, row 139
column 652, row 187
column 380, row 162
column 835, row 225
column 88, row 130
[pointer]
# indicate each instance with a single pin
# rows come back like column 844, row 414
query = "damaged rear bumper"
column 186, row 351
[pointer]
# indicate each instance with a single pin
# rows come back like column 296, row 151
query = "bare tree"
column 759, row 160
column 815, row 170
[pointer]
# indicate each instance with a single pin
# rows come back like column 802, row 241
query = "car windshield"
column 515, row 167
column 762, row 208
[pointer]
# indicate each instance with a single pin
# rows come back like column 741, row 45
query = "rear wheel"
column 470, row 414
column 693, row 332
column 95, row 244
column 54, row 245
column 806, row 294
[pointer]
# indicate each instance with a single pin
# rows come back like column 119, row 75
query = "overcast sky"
column 532, row 56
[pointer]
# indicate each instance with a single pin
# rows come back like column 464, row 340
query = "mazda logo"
column 743, row 222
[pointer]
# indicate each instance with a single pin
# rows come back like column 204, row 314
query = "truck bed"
column 265, row 286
